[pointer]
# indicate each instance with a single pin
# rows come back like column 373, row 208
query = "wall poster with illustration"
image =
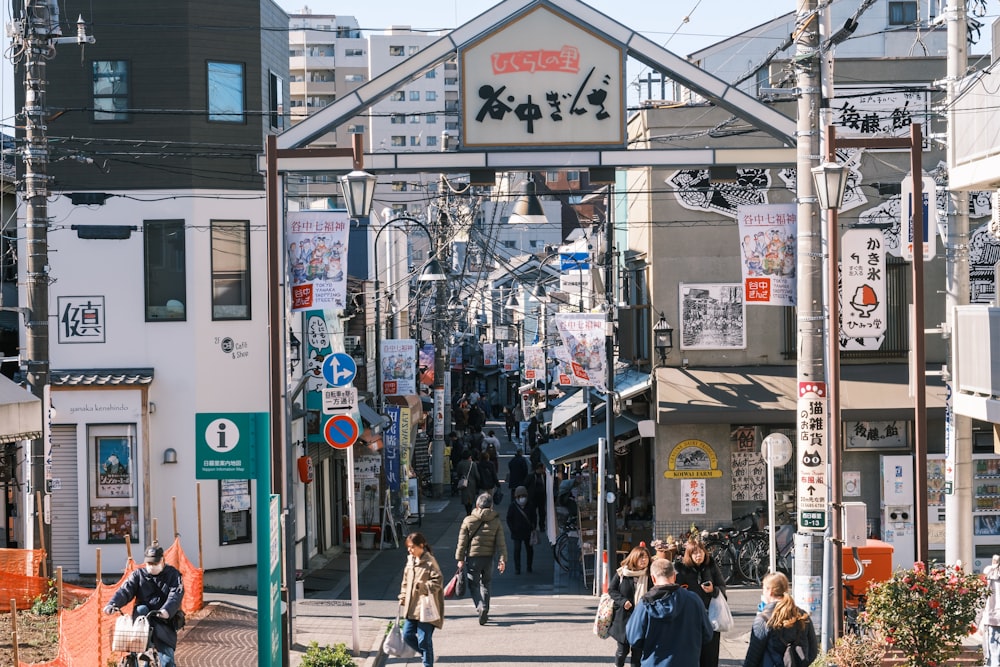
column 235, row 509
column 113, row 483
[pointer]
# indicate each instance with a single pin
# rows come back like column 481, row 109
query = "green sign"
column 269, row 583
column 226, row 444
column 812, row 519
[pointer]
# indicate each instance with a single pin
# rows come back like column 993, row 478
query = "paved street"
column 549, row 611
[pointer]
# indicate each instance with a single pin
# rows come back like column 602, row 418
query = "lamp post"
column 434, row 272
column 663, row 338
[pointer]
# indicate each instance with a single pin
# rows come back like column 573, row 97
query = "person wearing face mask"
column 155, row 588
column 522, row 521
column 698, row 572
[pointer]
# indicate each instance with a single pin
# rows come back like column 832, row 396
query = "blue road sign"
column 339, row 369
column 341, row 431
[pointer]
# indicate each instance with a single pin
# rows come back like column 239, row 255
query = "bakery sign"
column 542, row 80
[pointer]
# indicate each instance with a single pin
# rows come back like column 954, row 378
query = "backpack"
column 797, row 653
column 605, row 615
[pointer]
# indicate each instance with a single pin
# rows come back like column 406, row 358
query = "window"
column 412, row 50
column 110, row 90
column 398, row 140
column 572, row 175
column 356, row 129
column 511, row 244
column 414, row 119
column 225, row 92
column 235, row 511
column 399, row 186
column 354, row 78
column 415, row 141
column 354, row 52
column 552, row 177
column 276, row 101
column 431, row 118
column 432, row 140
column 231, row 269
column 398, row 96
column 451, row 81
column 395, row 50
column 431, row 74
column 431, row 96
column 902, row 13
column 113, row 477
column 165, row 273
column 397, row 119
column 414, row 95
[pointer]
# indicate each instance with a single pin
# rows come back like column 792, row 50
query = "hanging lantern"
column 306, row 472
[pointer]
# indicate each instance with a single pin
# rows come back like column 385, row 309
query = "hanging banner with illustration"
column 767, row 252
column 862, row 294
column 564, row 369
column 399, row 367
column 425, row 363
column 317, row 258
column 583, row 336
column 489, row 354
column 534, row 362
column 510, row 359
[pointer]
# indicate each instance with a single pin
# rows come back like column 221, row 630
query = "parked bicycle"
column 135, row 640
column 754, row 556
column 725, row 542
column 566, row 550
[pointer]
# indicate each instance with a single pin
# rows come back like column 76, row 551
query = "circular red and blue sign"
column 341, row 431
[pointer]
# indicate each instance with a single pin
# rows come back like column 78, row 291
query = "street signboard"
column 930, row 217
column 341, row 431
column 862, row 295
column 337, row 400
column 778, row 448
column 811, row 465
column 225, row 443
column 339, row 369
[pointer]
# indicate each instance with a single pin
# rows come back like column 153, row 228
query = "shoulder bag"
column 464, row 482
column 393, row 645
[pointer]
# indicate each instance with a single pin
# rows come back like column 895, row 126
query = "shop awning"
column 570, row 407
column 628, row 384
column 632, row 383
column 583, row 444
column 20, row 412
column 767, row 394
column 372, row 418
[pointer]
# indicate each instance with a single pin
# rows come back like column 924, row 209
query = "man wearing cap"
column 156, row 588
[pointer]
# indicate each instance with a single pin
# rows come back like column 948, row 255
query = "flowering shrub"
column 926, row 613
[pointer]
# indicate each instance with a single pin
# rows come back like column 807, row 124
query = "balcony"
column 977, row 362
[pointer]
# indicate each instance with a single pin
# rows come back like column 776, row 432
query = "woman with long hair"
column 778, row 625
column 697, row 571
column 628, row 585
column 421, row 576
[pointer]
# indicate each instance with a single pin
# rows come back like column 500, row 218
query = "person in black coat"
column 628, row 585
column 517, row 470
column 487, row 474
column 537, row 495
column 697, row 571
column 521, row 522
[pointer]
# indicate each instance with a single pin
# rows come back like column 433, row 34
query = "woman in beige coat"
column 421, row 576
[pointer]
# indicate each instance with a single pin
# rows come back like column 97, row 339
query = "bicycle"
column 725, row 542
column 136, row 643
column 754, row 557
column 566, row 550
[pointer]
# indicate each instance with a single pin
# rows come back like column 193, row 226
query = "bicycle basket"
column 130, row 636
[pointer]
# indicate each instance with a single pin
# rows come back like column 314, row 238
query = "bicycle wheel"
column 561, row 551
column 130, row 660
column 720, row 553
column 752, row 559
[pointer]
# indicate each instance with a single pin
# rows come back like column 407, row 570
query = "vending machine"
column 897, row 509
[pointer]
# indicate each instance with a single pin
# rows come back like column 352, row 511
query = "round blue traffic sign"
column 341, row 431
column 339, row 369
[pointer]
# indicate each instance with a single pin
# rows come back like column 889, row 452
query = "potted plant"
column 924, row 613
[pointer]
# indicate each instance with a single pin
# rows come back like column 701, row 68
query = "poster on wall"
column 693, row 496
column 112, row 524
column 713, row 316
column 749, row 477
column 317, row 258
column 852, row 484
column 767, row 253
column 114, row 467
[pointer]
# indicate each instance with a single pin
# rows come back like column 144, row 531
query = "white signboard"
column 811, row 452
column 870, row 112
column 693, row 496
column 930, row 217
column 338, row 400
column 767, row 250
column 542, row 80
column 862, row 295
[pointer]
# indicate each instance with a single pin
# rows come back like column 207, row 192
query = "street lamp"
column 359, row 192
column 830, row 181
column 663, row 338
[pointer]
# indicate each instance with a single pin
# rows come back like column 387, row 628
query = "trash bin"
column 876, row 559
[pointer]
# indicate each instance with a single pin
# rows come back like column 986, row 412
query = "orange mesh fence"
column 194, row 578
column 78, row 644
column 22, row 561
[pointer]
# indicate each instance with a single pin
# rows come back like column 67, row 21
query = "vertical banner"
column 399, row 367
column 811, row 452
column 583, row 336
column 426, row 364
column 317, row 258
column 489, row 354
column 457, row 358
column 405, row 440
column 391, row 451
column 534, row 362
column 693, row 496
column 862, row 279
column 439, row 413
column 767, row 253
column 510, row 359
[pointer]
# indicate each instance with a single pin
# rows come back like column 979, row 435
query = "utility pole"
column 37, row 33
column 610, row 302
column 958, row 429
column 811, row 368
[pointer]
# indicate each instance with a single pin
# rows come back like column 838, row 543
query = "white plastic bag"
column 130, row 636
column 719, row 614
column 394, row 646
column 428, row 609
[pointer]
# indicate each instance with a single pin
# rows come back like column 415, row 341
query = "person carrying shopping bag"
column 698, row 572
column 421, row 595
column 628, row 585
